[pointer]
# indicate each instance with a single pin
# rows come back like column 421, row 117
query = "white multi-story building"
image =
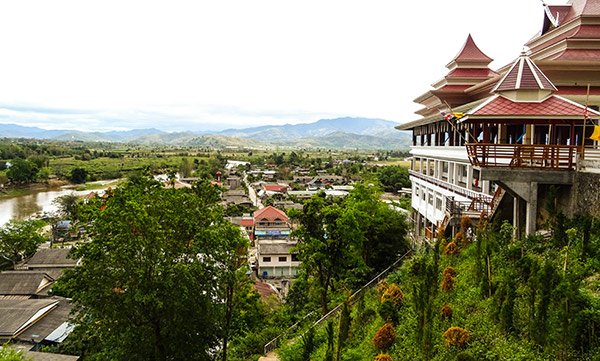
column 492, row 142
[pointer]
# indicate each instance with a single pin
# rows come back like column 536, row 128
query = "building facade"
column 495, row 143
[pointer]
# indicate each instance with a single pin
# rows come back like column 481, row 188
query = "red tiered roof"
column 270, row 213
column 470, row 52
column 552, row 106
column 524, row 74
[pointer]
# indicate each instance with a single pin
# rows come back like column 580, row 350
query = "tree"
column 393, row 178
column 8, row 353
column 22, row 171
column 19, row 239
column 328, row 247
column 153, row 280
column 68, row 206
column 78, row 175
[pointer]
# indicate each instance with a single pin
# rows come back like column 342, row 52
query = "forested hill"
column 339, row 133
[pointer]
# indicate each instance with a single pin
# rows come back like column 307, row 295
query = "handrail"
column 540, row 156
column 451, row 187
column 272, row 345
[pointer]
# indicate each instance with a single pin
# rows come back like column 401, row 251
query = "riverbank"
column 23, row 190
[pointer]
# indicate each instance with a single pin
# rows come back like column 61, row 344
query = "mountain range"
column 339, row 133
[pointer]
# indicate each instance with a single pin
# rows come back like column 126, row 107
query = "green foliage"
column 393, row 178
column 152, row 277
column 7, row 353
column 19, row 239
column 22, row 171
column 78, row 175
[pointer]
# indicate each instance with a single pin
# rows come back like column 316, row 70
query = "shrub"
column 393, row 294
column 383, row 357
column 381, row 287
column 456, row 336
column 385, row 337
column 451, row 249
column 448, row 279
column 446, row 312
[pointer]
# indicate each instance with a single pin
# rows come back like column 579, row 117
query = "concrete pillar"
column 456, row 176
column 469, row 177
column 485, row 187
column 531, row 209
column 427, row 166
column 451, row 173
column 517, row 216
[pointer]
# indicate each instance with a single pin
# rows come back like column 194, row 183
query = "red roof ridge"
column 524, row 75
column 269, row 211
column 470, row 52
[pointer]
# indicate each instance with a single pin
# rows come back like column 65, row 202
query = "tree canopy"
column 19, row 239
column 152, row 283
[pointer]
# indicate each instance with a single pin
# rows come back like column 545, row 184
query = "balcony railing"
column 523, row 155
column 485, row 198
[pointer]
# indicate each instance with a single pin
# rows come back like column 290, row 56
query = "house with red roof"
column 513, row 137
column 275, row 256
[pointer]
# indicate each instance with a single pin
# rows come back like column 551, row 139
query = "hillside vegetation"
column 482, row 296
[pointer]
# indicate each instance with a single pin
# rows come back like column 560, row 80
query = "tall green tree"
column 19, row 239
column 154, row 278
column 22, row 171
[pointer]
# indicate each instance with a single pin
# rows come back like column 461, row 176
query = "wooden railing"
column 523, row 155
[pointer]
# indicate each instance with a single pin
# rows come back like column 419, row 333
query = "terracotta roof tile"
column 554, row 106
column 470, row 73
column 470, row 52
column 524, row 74
column 270, row 212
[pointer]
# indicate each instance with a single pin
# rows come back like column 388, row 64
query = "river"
column 22, row 207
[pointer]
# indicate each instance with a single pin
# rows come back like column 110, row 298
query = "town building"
column 275, row 255
column 501, row 143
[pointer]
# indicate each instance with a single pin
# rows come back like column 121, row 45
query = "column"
column 469, row 177
column 531, row 210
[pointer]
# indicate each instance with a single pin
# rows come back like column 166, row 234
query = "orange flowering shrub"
column 393, row 294
column 385, row 337
column 383, row 357
column 448, row 279
column 451, row 249
column 381, row 287
column 456, row 336
column 446, row 312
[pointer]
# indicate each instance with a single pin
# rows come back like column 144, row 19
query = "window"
column 266, row 259
column 294, row 257
column 283, row 259
column 438, row 203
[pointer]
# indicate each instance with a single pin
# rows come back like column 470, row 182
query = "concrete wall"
column 586, row 194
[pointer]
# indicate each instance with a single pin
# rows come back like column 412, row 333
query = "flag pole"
column 585, row 118
column 466, row 128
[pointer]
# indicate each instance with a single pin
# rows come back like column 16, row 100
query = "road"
column 252, row 193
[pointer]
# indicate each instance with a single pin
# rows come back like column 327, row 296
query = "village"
column 264, row 207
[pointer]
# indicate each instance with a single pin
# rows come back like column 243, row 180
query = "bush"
column 451, row 249
column 383, row 357
column 446, row 312
column 385, row 337
column 456, row 336
column 448, row 279
column 393, row 294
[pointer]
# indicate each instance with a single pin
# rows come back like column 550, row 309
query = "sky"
column 210, row 65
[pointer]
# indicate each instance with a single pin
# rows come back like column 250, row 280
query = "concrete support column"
column 455, row 176
column 421, row 165
column 531, row 209
column 517, row 216
column 469, row 177
column 485, row 187
column 451, row 172
column 427, row 166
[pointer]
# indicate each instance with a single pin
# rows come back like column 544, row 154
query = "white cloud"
column 136, row 64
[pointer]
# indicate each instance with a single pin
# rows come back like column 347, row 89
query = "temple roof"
column 470, row 52
column 524, row 75
column 270, row 213
column 553, row 107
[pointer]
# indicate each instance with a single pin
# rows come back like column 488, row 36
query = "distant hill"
column 339, row 133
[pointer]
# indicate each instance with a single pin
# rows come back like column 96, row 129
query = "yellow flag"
column 596, row 134
column 458, row 115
